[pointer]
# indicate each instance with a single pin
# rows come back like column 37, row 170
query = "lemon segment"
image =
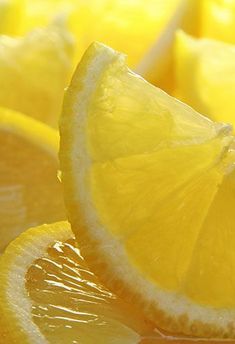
column 58, row 299
column 213, row 260
column 205, row 76
column 142, row 174
column 114, row 130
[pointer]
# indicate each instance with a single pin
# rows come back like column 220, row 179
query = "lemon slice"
column 205, row 76
column 145, row 176
column 217, row 20
column 30, row 192
column 35, row 70
column 48, row 295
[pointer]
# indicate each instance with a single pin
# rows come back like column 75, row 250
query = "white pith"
column 173, row 304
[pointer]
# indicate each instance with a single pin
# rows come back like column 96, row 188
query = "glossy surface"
column 70, row 305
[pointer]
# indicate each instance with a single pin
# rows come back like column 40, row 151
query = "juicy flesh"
column 30, row 193
column 70, row 305
column 156, row 179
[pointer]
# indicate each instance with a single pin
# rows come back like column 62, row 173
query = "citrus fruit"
column 205, row 76
column 34, row 72
column 122, row 24
column 30, row 192
column 146, row 178
column 48, row 295
column 217, row 20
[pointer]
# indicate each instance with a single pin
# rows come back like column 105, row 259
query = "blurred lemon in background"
column 30, row 192
column 157, row 64
column 217, row 20
column 129, row 26
column 205, row 76
column 34, row 70
column 10, row 14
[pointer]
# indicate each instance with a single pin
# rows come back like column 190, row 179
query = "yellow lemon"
column 131, row 26
column 48, row 295
column 149, row 187
column 217, row 20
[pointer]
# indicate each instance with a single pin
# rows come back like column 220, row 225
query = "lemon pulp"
column 70, row 305
column 145, row 183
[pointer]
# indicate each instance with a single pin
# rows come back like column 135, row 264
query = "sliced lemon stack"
column 30, row 192
column 48, row 295
column 146, row 178
column 205, row 76
column 34, row 70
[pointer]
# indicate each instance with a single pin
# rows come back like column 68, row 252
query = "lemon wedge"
column 48, row 295
column 145, row 177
